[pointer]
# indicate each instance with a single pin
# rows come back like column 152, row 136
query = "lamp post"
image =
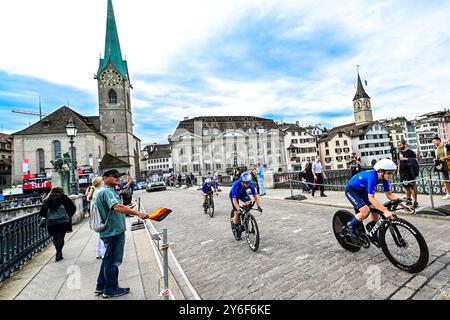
column 71, row 130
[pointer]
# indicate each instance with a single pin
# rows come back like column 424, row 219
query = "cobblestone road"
column 298, row 257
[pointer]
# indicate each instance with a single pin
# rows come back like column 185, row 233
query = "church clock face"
column 110, row 77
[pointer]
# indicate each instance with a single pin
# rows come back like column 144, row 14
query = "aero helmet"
column 246, row 177
column 385, row 165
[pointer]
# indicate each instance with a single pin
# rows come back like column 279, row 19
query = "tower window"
column 112, row 97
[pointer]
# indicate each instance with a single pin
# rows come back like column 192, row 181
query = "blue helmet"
column 246, row 177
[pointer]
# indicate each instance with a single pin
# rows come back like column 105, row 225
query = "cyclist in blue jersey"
column 360, row 191
column 208, row 187
column 239, row 192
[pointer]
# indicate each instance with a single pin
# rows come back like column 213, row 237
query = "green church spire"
column 112, row 45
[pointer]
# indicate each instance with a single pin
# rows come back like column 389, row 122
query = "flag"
column 160, row 214
column 365, row 82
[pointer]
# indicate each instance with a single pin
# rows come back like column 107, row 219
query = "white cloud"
column 397, row 43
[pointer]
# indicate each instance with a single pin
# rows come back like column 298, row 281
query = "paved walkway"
column 74, row 277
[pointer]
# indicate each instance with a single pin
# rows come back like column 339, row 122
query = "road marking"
column 297, row 231
column 302, row 257
column 285, row 218
column 206, row 242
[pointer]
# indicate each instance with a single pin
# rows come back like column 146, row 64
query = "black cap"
column 113, row 173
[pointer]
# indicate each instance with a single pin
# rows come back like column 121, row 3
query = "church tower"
column 361, row 104
column 114, row 98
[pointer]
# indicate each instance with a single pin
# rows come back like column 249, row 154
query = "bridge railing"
column 428, row 181
column 20, row 239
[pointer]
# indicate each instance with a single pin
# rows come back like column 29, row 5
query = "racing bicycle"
column 401, row 242
column 248, row 225
column 209, row 207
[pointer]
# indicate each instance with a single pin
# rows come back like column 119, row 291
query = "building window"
column 40, row 160
column 196, row 167
column 112, row 97
column 56, row 148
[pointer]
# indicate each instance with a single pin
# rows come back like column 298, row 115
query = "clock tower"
column 114, row 87
column 361, row 104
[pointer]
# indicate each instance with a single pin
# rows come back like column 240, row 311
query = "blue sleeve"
column 252, row 189
column 371, row 183
column 204, row 188
column 387, row 187
column 233, row 191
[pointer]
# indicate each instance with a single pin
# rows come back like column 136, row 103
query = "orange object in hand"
column 160, row 214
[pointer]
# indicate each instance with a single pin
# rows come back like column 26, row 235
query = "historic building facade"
column 207, row 144
column 5, row 161
column 369, row 139
column 300, row 145
column 103, row 142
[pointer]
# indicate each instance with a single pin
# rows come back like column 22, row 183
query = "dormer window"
column 46, row 123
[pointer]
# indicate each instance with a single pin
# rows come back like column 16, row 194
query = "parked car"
column 155, row 185
column 141, row 185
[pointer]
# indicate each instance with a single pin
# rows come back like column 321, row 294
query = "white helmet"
column 208, row 180
column 385, row 165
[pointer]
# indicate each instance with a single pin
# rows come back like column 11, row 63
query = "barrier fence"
column 20, row 239
column 427, row 182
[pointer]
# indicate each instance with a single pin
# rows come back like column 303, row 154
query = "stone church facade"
column 103, row 142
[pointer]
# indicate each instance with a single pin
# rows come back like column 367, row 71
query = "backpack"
column 57, row 216
column 95, row 219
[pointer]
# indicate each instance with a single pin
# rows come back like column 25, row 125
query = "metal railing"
column 428, row 181
column 14, row 204
column 20, row 239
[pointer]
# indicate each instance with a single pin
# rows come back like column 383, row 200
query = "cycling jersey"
column 239, row 192
column 360, row 186
column 366, row 181
column 206, row 188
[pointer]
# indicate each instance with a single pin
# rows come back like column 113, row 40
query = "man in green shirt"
column 443, row 156
column 113, row 236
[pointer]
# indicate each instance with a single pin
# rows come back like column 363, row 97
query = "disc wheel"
column 340, row 220
column 410, row 251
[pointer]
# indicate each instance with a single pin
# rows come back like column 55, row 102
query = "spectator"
column 441, row 163
column 262, row 188
column 309, row 176
column 318, row 177
column 179, row 180
column 253, row 172
column 354, row 164
column 93, row 190
column 58, row 209
column 126, row 191
column 112, row 211
column 407, row 172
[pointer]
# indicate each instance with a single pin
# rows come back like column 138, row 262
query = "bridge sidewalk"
column 74, row 278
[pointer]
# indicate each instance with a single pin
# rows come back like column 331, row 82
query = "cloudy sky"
column 287, row 60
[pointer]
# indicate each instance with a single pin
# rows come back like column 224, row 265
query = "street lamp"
column 71, row 130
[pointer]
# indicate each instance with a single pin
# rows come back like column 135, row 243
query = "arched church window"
column 40, row 160
column 56, row 148
column 112, row 97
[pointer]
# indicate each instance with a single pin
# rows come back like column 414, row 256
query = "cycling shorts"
column 245, row 198
column 357, row 198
